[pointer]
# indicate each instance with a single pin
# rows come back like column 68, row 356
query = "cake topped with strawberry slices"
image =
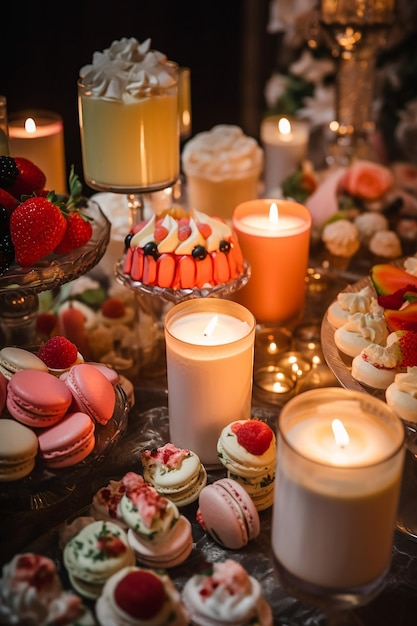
column 187, row 251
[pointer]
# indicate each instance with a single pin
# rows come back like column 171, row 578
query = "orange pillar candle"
column 274, row 236
column 39, row 136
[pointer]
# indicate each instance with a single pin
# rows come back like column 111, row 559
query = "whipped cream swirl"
column 127, row 70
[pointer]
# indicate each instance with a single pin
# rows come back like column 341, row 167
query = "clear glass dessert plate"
column 178, row 295
column 54, row 269
column 44, row 487
column 341, row 366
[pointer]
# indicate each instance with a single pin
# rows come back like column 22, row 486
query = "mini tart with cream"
column 183, row 252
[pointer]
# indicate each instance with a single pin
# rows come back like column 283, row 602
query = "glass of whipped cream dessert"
column 128, row 116
column 222, row 167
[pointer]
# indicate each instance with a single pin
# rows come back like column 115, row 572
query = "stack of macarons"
column 96, row 552
column 160, row 536
column 176, row 473
column 140, row 596
column 247, row 449
column 62, row 412
column 18, row 450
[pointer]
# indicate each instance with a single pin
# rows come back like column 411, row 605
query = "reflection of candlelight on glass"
column 274, row 380
column 39, row 137
column 184, row 101
column 210, row 351
column 274, row 236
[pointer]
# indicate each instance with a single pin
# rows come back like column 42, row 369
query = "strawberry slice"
column 37, row 227
column 110, row 544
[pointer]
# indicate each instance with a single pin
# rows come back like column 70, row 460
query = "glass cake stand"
column 20, row 286
column 156, row 301
column 341, row 366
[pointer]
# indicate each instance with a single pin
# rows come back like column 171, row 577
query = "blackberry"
column 8, row 171
column 4, row 220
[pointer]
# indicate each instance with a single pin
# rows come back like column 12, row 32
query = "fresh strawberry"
column 78, row 232
column 140, row 594
column 8, row 201
column 79, row 229
column 113, row 308
column 37, row 227
column 30, row 179
column 253, row 435
column 45, row 323
column 110, row 544
column 58, row 353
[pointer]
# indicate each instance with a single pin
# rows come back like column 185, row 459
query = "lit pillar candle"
column 184, row 101
column 285, row 145
column 39, row 137
column 210, row 351
column 274, row 236
column 336, row 497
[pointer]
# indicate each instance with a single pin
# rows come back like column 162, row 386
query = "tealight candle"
column 339, row 472
column 39, row 137
column 285, row 144
column 274, row 236
column 210, row 353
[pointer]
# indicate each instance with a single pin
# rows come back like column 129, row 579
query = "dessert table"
column 39, row 529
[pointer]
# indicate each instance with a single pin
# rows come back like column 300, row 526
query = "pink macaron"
column 228, row 514
column 92, row 392
column 68, row 442
column 37, row 399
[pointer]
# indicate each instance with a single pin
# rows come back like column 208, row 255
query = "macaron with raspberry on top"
column 247, row 449
column 59, row 354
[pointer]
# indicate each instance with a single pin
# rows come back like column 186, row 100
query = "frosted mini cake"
column 186, row 252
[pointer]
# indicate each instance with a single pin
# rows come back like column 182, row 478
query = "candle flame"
column 340, row 433
column 273, row 213
column 30, row 125
column 211, row 326
column 284, row 126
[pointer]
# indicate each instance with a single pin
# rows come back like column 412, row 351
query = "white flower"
column 320, row 108
column 310, row 69
column 284, row 14
column 275, row 87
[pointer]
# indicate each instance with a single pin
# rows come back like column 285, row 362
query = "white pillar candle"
column 39, row 137
column 285, row 145
column 277, row 251
column 336, row 502
column 210, row 351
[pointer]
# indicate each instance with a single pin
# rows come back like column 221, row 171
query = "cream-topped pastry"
column 226, row 595
column 136, row 597
column 360, row 330
column 401, row 395
column 385, row 244
column 31, row 592
column 350, row 302
column 341, row 238
column 370, row 375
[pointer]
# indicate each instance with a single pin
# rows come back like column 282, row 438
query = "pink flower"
column 367, row 180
